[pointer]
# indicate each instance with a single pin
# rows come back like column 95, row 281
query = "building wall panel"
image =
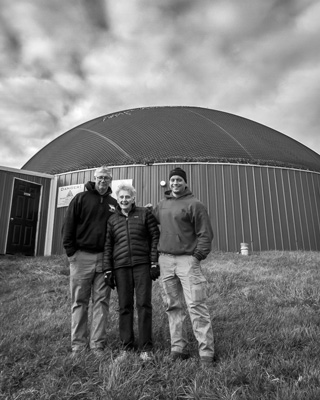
column 276, row 199
column 282, row 209
column 230, row 216
column 244, row 207
column 237, row 207
column 252, row 210
column 260, row 209
column 305, row 224
column 6, row 181
column 311, row 215
column 212, row 205
column 289, row 216
column 314, row 189
column 270, row 229
column 270, row 208
column 221, row 210
column 296, row 191
column 294, row 219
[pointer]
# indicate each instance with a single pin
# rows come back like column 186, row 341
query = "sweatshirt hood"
column 91, row 187
column 169, row 194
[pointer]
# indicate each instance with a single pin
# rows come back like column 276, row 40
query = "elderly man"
column 84, row 234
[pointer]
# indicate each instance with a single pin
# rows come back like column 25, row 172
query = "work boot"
column 175, row 356
column 146, row 356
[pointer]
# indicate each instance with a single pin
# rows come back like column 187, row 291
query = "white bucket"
column 244, row 248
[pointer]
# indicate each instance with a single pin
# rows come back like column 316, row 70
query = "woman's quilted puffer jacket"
column 131, row 240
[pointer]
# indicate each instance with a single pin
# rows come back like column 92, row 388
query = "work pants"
column 129, row 280
column 87, row 280
column 182, row 278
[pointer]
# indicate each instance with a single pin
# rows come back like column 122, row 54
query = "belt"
column 90, row 251
column 167, row 254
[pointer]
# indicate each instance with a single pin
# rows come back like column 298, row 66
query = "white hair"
column 127, row 187
column 103, row 169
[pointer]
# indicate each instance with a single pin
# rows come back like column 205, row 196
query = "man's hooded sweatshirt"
column 184, row 225
column 85, row 223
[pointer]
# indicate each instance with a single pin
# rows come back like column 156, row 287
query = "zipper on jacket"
column 128, row 236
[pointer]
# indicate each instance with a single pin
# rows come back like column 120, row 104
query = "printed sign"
column 67, row 193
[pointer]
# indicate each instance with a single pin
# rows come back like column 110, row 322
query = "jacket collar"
column 90, row 186
column 169, row 194
column 118, row 209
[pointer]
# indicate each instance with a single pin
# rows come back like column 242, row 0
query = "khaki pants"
column 181, row 276
column 87, row 280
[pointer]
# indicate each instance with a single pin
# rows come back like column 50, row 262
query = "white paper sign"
column 67, row 193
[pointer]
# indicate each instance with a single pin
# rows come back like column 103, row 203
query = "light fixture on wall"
column 163, row 183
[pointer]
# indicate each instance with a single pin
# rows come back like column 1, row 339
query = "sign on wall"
column 67, row 193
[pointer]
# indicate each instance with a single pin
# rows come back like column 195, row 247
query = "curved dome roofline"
column 170, row 134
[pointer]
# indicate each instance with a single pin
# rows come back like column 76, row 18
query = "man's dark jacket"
column 86, row 220
column 131, row 240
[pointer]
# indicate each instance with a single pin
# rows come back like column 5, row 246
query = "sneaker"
column 77, row 352
column 98, row 352
column 206, row 363
column 175, row 356
column 122, row 355
column 146, row 356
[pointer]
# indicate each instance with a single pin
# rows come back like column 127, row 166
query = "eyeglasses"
column 103, row 178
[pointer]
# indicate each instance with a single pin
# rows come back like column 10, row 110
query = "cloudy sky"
column 67, row 62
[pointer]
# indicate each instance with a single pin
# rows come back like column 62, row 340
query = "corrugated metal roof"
column 170, row 134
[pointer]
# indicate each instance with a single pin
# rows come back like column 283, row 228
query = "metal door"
column 24, row 218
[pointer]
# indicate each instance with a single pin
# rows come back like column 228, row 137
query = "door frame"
column 39, row 211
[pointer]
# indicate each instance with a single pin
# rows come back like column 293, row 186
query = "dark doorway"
column 23, row 218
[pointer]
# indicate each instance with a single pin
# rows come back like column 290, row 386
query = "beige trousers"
column 87, row 281
column 182, row 279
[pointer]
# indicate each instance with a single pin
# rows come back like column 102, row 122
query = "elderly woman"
column 130, row 264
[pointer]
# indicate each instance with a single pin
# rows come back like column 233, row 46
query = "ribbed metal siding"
column 5, row 204
column 6, row 187
column 270, row 208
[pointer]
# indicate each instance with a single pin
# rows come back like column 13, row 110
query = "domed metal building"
column 260, row 186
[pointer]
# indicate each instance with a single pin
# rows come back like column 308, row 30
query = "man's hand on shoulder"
column 149, row 206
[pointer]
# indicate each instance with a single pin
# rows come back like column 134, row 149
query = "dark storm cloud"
column 70, row 61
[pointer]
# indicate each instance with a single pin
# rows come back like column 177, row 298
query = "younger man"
column 185, row 240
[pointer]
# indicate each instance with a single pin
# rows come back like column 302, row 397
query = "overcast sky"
column 64, row 62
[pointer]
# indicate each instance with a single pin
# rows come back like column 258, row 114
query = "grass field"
column 265, row 310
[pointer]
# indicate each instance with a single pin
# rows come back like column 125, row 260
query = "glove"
column 109, row 279
column 154, row 272
column 149, row 206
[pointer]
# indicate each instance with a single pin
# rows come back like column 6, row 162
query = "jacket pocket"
column 73, row 257
column 170, row 243
column 198, row 288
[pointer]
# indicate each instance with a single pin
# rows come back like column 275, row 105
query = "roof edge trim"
column 194, row 163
